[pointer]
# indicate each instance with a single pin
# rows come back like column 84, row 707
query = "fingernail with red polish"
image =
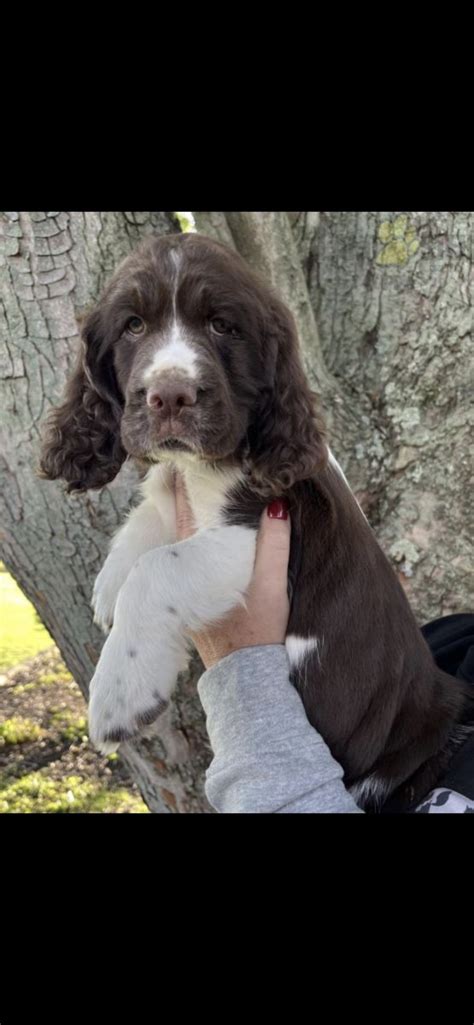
column 278, row 510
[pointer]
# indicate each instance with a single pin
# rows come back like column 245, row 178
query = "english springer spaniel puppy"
column 189, row 361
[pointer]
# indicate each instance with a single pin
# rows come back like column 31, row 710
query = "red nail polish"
column 278, row 510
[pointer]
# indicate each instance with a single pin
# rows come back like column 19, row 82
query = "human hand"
column 264, row 619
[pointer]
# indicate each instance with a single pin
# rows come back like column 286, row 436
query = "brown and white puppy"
column 189, row 361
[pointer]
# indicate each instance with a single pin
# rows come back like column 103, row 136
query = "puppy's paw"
column 130, row 689
column 106, row 591
column 113, row 722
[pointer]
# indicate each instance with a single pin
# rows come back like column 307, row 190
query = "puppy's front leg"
column 149, row 525
column 171, row 590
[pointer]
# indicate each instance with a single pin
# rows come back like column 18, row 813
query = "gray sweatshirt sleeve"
column 267, row 756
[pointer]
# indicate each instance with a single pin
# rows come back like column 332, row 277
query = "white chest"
column 207, row 488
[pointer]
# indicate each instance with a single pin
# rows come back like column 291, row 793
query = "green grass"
column 45, row 680
column 70, row 726
column 22, row 633
column 18, row 730
column 52, row 679
column 37, row 793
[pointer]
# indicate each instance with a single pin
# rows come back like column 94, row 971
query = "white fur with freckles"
column 156, row 590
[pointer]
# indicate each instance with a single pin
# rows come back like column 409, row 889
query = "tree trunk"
column 393, row 295
column 52, row 265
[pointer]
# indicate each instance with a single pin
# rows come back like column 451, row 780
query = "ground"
column 46, row 761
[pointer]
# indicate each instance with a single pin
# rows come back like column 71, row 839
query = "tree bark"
column 393, row 295
column 52, row 265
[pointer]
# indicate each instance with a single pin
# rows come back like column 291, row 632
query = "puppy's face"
column 185, row 331
column 187, row 350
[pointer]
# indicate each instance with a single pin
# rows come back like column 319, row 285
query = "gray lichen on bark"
column 393, row 294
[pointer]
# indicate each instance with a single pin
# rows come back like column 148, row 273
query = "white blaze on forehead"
column 176, row 261
column 174, row 354
column 175, row 257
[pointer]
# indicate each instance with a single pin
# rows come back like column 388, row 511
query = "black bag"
column 451, row 640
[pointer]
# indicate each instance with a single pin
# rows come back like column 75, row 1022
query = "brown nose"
column 168, row 398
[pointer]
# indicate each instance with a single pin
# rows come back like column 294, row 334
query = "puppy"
column 190, row 362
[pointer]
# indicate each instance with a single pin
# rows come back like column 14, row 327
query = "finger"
column 273, row 544
column 185, row 525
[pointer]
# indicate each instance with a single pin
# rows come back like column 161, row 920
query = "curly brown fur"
column 287, row 437
column 255, row 407
column 81, row 438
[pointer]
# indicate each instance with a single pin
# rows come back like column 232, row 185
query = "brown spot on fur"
column 117, row 736
column 148, row 717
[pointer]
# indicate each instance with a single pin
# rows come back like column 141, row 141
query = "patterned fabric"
column 442, row 801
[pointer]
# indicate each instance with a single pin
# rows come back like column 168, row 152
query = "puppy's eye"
column 135, row 326
column 220, row 326
column 223, row 327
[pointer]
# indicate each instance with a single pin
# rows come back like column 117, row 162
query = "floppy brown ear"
column 81, row 437
column 287, row 438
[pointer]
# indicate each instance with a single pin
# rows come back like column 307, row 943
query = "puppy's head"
column 187, row 350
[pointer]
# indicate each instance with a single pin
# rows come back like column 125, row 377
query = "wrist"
column 217, row 658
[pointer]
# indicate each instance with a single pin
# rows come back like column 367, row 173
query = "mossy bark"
column 393, row 296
